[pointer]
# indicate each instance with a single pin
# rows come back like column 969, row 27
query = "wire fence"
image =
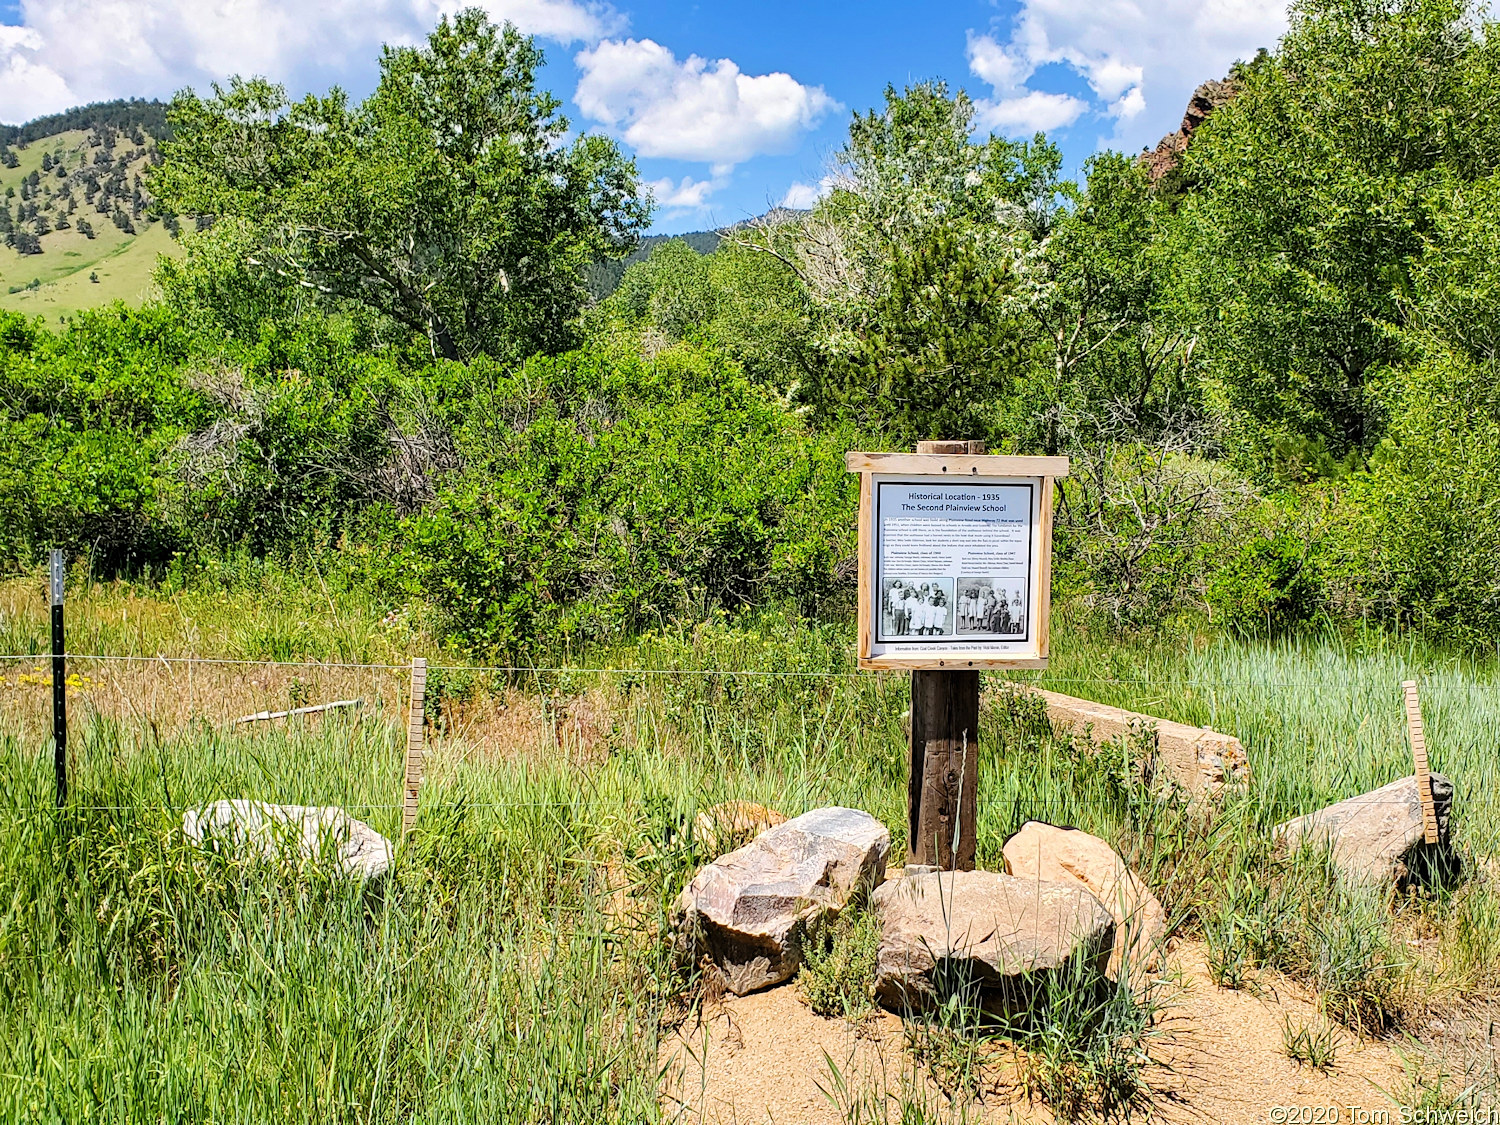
column 1027, row 675
column 389, row 681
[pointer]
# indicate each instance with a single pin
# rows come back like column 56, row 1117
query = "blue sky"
column 729, row 108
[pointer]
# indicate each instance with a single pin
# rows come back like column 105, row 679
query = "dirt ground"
column 764, row 1059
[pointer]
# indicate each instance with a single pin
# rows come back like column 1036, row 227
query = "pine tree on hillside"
column 86, row 228
column 46, row 162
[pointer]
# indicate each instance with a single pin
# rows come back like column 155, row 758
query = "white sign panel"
column 956, row 567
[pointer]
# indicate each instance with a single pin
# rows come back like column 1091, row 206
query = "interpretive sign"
column 955, row 559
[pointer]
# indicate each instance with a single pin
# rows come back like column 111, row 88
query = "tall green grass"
column 515, row 964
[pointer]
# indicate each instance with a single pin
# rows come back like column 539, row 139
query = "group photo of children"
column 917, row 607
column 984, row 607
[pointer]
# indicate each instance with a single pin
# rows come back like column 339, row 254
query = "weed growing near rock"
column 838, row 964
column 1083, row 1050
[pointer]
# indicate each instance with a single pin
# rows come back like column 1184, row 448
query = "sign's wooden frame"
column 951, row 467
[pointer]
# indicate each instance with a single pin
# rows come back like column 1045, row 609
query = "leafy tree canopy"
column 448, row 201
column 1316, row 192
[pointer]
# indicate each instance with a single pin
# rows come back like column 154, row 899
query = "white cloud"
column 1030, row 112
column 67, row 52
column 686, row 195
column 1140, row 58
column 694, row 109
column 27, row 88
column 801, row 196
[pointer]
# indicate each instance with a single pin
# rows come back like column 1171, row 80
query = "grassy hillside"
column 77, row 222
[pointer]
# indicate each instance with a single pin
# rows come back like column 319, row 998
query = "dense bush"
column 1419, row 542
column 85, row 420
column 569, row 497
column 604, row 492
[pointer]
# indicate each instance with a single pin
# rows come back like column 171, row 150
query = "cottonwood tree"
column 1315, row 188
column 909, row 263
column 449, row 201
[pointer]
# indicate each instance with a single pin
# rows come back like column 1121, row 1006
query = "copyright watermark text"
column 1379, row 1115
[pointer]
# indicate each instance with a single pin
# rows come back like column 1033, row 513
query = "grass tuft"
column 1304, row 1043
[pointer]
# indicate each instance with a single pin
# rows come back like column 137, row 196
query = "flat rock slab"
column 1200, row 760
column 997, row 935
column 1068, row 855
column 749, row 909
column 290, row 832
column 1377, row 836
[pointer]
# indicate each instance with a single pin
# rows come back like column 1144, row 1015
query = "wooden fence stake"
column 415, row 739
column 1419, row 759
column 943, row 802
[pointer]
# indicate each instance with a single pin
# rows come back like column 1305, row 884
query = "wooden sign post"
column 1419, row 761
column 955, row 569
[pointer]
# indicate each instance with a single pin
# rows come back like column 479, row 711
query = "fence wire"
column 1037, row 677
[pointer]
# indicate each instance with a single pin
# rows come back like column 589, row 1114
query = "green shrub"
column 1417, row 543
column 1268, row 585
column 603, row 493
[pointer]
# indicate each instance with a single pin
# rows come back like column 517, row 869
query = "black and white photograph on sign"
column 954, row 563
column 917, row 607
column 987, row 607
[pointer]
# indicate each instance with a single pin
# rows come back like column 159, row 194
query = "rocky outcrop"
column 1378, row 836
column 748, row 910
column 994, row 938
column 1067, row 855
column 1168, row 153
column 290, row 833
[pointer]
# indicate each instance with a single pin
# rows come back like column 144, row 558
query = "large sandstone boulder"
column 1202, row 761
column 1377, row 836
column 996, row 937
column 290, row 833
column 1067, row 855
column 748, row 910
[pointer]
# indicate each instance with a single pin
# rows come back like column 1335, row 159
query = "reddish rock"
column 1168, row 153
column 748, row 911
column 994, row 937
column 1067, row 855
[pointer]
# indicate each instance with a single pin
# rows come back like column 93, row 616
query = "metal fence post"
column 59, row 683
